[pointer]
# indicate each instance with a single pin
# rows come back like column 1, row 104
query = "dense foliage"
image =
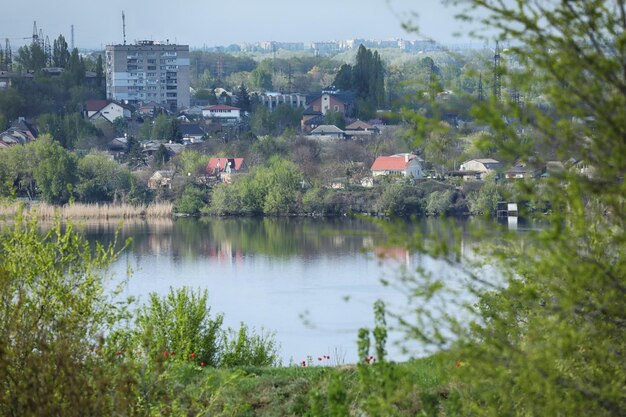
column 546, row 335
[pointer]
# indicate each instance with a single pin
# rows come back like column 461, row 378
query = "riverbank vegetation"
column 546, row 336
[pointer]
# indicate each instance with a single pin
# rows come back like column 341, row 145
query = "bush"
column 191, row 201
column 439, row 202
column 179, row 327
column 180, row 322
column 246, row 348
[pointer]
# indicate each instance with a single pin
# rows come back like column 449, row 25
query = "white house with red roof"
column 406, row 164
column 106, row 109
column 222, row 112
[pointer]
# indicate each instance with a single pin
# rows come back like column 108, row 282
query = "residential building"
column 331, row 99
column 106, row 109
column 328, row 131
column 405, row 164
column 192, row 132
column 523, row 171
column 223, row 113
column 148, row 71
column 217, row 166
column 477, row 169
column 160, row 179
column 360, row 130
column 310, row 120
column 20, row 132
column 224, row 168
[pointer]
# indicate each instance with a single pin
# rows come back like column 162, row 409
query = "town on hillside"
column 352, row 126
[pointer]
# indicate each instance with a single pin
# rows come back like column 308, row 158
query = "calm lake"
column 311, row 281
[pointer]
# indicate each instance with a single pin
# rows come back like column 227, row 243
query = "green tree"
column 100, row 74
column 243, row 98
column 191, row 162
column 133, row 155
column 191, row 201
column 547, row 335
column 31, row 57
column 335, row 118
column 53, row 315
column 177, row 134
column 101, row 179
column 368, row 77
column 162, row 128
column 75, row 70
column 55, row 171
column 161, row 156
column 343, row 79
column 60, row 53
column 261, row 78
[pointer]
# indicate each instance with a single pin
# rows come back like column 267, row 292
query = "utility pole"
column 8, row 62
column 72, row 42
column 497, row 86
column 289, row 76
column 481, row 93
column 220, row 65
column 124, row 27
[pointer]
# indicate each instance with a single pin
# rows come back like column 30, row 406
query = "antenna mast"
column 48, row 51
column 72, row 37
column 35, row 33
column 124, row 26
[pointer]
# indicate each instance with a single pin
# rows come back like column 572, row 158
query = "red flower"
column 171, row 353
column 166, row 353
column 201, row 363
column 193, row 354
column 303, row 363
column 319, row 359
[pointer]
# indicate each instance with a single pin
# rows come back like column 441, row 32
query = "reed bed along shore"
column 88, row 211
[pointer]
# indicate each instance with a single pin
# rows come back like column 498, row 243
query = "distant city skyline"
column 201, row 23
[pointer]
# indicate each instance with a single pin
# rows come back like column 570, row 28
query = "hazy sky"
column 212, row 22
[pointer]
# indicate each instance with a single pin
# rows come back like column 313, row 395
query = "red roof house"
column 405, row 164
column 218, row 166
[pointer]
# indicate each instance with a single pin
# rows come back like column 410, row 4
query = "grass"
column 416, row 385
column 89, row 211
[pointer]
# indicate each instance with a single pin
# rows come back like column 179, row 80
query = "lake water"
column 311, row 281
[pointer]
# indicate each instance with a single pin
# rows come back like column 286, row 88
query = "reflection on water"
column 270, row 272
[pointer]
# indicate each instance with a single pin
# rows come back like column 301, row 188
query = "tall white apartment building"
column 147, row 72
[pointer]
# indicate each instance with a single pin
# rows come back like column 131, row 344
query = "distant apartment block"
column 148, row 71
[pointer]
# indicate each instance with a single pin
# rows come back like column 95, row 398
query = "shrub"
column 180, row 322
column 439, row 202
column 246, row 348
column 191, row 201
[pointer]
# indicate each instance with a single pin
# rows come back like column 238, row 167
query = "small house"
column 406, row 164
column 106, row 109
column 328, row 131
column 522, row 171
column 478, row 169
column 160, row 179
column 360, row 130
column 223, row 113
column 223, row 168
